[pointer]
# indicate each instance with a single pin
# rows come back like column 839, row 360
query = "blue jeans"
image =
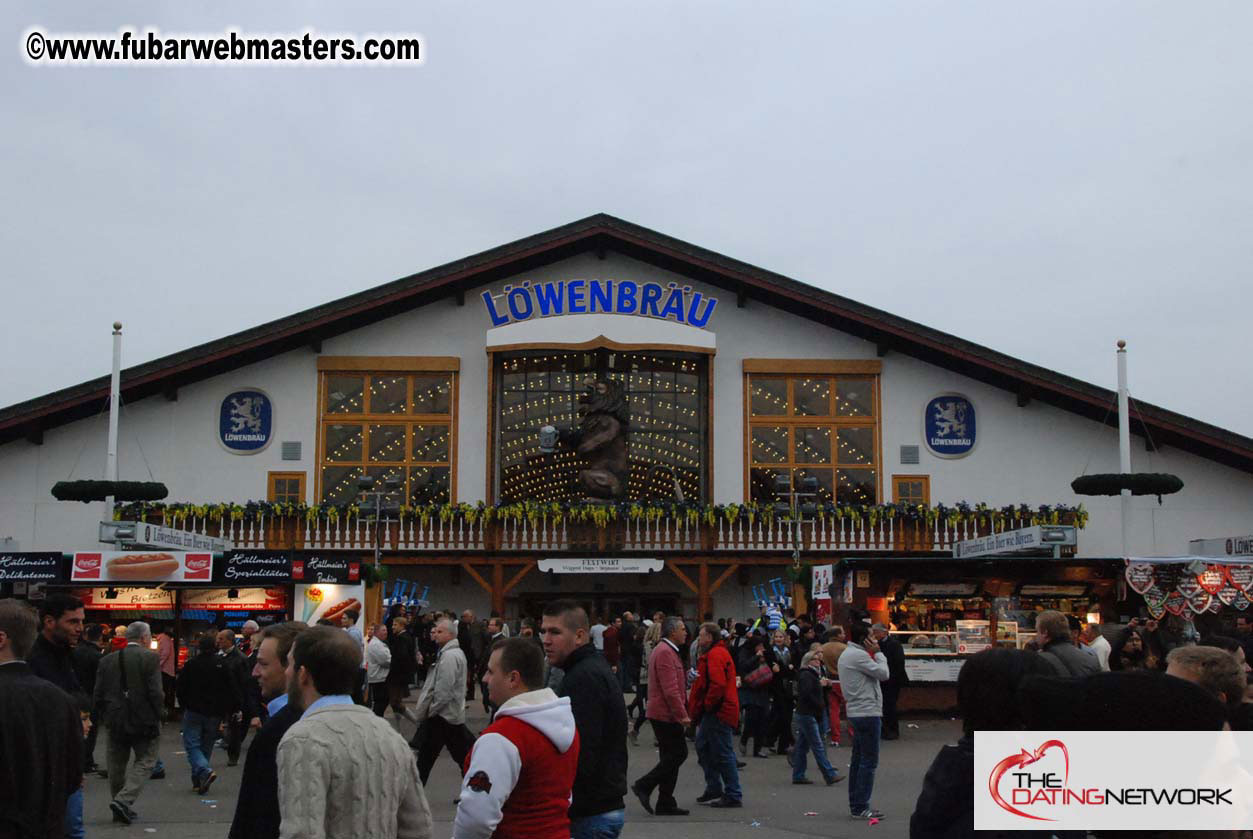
column 74, row 815
column 716, row 752
column 600, row 826
column 864, row 761
column 199, row 734
column 809, row 738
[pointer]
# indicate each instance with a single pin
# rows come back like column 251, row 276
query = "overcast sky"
column 1039, row 178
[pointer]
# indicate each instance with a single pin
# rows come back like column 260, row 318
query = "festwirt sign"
column 1113, row 780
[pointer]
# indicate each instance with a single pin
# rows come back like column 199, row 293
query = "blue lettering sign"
column 246, row 422
column 578, row 297
column 948, row 425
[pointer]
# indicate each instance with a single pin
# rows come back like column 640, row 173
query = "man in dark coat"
column 256, row 811
column 86, row 661
column 1056, row 647
column 895, row 654
column 130, row 701
column 237, row 720
column 41, row 737
column 598, row 806
column 207, row 693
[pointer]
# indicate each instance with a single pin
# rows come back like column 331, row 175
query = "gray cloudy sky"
column 1039, row 178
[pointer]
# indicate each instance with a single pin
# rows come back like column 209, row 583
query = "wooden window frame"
column 271, row 477
column 788, row 369
column 397, row 365
column 926, row 487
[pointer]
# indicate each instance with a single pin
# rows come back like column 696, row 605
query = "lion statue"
column 601, row 439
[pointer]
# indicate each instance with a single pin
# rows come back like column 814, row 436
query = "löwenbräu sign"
column 527, row 300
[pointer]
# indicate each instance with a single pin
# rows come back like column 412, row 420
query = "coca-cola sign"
column 37, row 567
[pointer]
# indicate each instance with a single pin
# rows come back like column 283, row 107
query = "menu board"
column 973, row 636
column 933, row 669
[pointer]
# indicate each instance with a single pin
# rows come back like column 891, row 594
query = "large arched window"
column 668, row 397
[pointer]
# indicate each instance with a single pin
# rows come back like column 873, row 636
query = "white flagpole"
column 1124, row 445
column 115, row 391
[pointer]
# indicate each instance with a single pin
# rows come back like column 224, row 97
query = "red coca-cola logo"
column 87, row 566
column 197, row 566
column 354, row 571
column 297, row 569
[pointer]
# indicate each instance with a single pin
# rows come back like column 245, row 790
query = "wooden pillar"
column 498, row 588
column 704, row 597
column 374, row 604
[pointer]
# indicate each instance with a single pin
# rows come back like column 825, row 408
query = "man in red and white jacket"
column 715, row 705
column 667, row 712
column 520, row 773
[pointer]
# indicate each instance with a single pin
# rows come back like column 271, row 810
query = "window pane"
column 825, row 483
column 387, row 394
column 339, row 484
column 813, row 445
column 428, row 485
column 344, row 394
column 387, row 443
column 812, row 397
column 908, row 492
column 432, row 393
column 430, row 443
column 855, row 398
column 342, row 443
column 768, row 397
column 761, row 485
column 857, row 446
column 769, row 445
column 857, row 486
column 381, row 474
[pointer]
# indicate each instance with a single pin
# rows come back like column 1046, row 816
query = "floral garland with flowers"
column 533, row 513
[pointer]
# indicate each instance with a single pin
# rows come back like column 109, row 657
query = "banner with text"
column 32, row 567
column 267, row 567
column 141, row 567
column 310, row 567
column 601, row 565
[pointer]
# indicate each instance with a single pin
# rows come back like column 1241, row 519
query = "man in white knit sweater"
column 343, row 773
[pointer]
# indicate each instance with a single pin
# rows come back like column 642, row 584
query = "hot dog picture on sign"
column 141, row 566
column 328, row 601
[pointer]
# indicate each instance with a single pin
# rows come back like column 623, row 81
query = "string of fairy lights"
column 412, row 450
column 766, row 400
column 663, row 396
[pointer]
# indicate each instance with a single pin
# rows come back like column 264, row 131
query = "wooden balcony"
column 658, row 534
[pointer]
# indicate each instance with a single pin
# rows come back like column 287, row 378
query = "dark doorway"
column 603, row 604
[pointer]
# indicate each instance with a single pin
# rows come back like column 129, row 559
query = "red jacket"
column 667, row 685
column 612, row 647
column 714, row 690
column 519, row 775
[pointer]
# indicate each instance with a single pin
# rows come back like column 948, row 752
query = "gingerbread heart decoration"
column 1215, row 606
column 1241, row 576
column 1200, row 601
column 1139, row 576
column 1155, row 595
column 1212, row 579
column 1241, row 602
column 1188, row 586
column 1156, row 611
column 1227, row 594
column 1166, row 577
column 1175, row 603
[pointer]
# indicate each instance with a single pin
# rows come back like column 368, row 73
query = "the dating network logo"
column 1027, row 788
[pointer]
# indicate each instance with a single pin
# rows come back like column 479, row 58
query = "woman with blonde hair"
column 652, row 637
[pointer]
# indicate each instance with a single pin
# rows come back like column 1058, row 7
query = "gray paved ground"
column 773, row 806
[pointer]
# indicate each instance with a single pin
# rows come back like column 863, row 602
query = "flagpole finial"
column 1122, row 345
column 117, row 326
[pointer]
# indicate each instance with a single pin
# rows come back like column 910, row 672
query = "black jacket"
column 237, row 666
column 601, row 720
column 86, row 661
column 256, row 811
column 403, row 662
column 811, row 697
column 946, row 808
column 41, row 759
column 54, row 663
column 895, row 654
column 1068, row 660
column 207, row 686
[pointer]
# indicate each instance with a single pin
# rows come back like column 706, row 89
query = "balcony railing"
column 658, row 533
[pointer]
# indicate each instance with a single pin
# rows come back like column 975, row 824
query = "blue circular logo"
column 948, row 425
column 246, row 422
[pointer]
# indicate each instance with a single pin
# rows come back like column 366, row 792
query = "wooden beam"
column 881, row 350
column 601, row 253
column 704, row 600
column 1024, row 397
column 498, row 588
column 685, row 579
column 812, row 365
column 741, row 297
column 35, row 435
column 170, row 392
column 722, row 578
column 517, row 578
column 478, row 578
column 461, row 296
column 315, row 344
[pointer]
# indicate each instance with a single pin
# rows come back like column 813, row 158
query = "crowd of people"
column 325, row 760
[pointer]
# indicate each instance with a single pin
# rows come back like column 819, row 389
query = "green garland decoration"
column 88, row 491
